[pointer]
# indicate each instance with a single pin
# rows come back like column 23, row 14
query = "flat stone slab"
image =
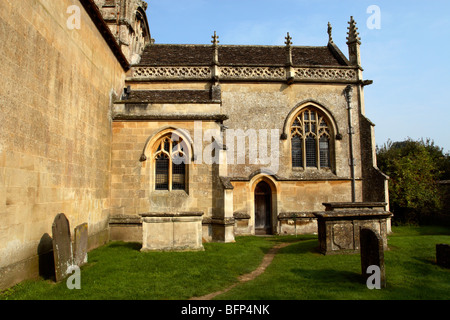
column 335, row 206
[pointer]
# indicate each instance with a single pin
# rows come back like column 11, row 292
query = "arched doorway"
column 263, row 208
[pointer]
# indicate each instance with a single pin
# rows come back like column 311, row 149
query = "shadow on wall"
column 46, row 260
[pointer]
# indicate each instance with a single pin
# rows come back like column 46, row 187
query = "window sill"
column 171, row 192
column 315, row 169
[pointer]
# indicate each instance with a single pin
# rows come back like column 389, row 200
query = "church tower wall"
column 55, row 135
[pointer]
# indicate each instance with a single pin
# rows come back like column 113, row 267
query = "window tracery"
column 170, row 164
column 310, row 140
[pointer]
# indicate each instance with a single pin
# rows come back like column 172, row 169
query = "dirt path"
column 267, row 260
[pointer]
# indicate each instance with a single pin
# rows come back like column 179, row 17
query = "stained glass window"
column 324, row 145
column 311, row 153
column 310, row 140
column 170, row 164
column 297, row 158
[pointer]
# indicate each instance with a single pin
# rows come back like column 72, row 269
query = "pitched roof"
column 238, row 55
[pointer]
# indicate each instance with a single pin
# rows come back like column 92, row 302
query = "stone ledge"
column 174, row 249
column 241, row 215
column 170, row 215
column 226, row 183
column 125, row 219
column 296, row 215
column 169, row 117
column 222, row 221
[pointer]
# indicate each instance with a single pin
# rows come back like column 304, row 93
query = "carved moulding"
column 253, row 73
column 325, row 74
column 243, row 73
column 169, row 73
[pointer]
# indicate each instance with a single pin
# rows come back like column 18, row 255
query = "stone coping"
column 218, row 221
column 353, row 214
column 344, row 205
column 125, row 219
column 170, row 215
column 118, row 116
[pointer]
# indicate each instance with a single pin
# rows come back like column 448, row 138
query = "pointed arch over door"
column 263, row 208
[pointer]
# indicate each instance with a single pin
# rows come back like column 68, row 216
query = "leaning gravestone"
column 81, row 245
column 62, row 246
column 443, row 255
column 372, row 254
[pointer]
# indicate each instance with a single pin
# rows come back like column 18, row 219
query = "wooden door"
column 263, row 206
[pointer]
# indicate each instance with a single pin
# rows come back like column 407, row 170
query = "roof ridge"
column 230, row 45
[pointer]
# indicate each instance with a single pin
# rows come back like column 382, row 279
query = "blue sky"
column 407, row 58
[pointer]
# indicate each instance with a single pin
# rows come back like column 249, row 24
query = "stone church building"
column 169, row 145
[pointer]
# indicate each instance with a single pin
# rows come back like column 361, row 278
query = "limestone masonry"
column 169, row 145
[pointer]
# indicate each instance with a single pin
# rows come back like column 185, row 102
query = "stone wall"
column 267, row 106
column 55, row 133
column 292, row 199
column 132, row 187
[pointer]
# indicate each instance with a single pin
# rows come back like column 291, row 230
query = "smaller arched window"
column 310, row 140
column 170, row 164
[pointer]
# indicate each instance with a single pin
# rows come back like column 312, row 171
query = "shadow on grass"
column 126, row 245
column 303, row 245
column 330, row 276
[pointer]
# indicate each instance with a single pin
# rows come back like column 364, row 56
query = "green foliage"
column 414, row 168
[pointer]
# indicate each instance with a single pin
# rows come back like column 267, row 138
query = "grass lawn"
column 119, row 271
column 299, row 272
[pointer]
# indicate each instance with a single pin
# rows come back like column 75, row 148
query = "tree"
column 414, row 168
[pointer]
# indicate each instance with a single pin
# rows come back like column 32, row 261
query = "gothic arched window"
column 310, row 140
column 170, row 164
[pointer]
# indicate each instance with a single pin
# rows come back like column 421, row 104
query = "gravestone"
column 62, row 246
column 443, row 255
column 81, row 245
column 372, row 254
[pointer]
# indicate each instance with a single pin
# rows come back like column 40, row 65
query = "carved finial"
column 330, row 33
column 215, row 38
column 348, row 92
column 353, row 34
column 288, row 40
